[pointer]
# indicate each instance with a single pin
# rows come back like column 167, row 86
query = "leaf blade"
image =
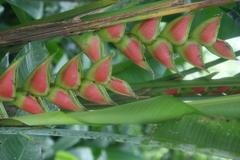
column 151, row 110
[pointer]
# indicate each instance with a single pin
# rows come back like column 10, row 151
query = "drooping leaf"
column 156, row 109
column 151, row 110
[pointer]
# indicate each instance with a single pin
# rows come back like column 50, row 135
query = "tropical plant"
column 143, row 75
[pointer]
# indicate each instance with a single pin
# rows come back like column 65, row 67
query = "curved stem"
column 189, row 84
column 93, row 22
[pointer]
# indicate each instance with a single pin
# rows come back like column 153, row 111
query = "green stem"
column 232, row 82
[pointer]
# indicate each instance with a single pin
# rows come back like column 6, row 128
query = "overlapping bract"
column 69, row 80
column 69, row 77
column 144, row 36
column 174, row 37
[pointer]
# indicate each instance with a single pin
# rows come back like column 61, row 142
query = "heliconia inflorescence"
column 95, row 93
column 207, row 32
column 113, row 33
column 38, row 82
column 162, row 51
column 133, row 49
column 131, row 42
column 120, row 86
column 69, row 77
column 223, row 49
column 91, row 45
column 147, row 30
column 177, row 31
column 101, row 71
column 64, row 100
column 192, row 52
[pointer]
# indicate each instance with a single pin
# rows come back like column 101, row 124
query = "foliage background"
column 107, row 142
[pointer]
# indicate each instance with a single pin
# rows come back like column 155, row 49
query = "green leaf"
column 198, row 133
column 151, row 110
column 20, row 147
column 155, row 109
column 225, row 106
column 214, row 136
column 33, row 8
column 23, row 17
column 53, row 47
